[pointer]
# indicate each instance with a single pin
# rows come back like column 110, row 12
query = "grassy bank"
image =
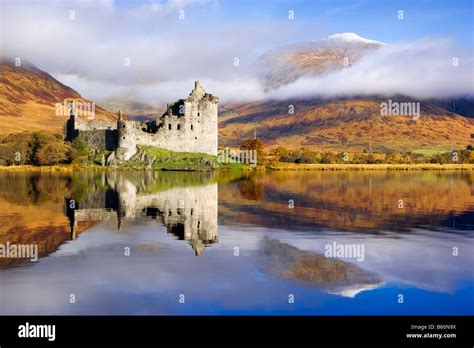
column 161, row 159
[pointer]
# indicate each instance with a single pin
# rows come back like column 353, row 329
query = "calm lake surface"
column 227, row 243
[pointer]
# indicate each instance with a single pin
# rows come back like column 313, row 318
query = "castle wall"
column 103, row 138
column 196, row 131
column 95, row 124
column 96, row 133
column 189, row 125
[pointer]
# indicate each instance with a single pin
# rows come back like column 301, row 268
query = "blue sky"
column 376, row 19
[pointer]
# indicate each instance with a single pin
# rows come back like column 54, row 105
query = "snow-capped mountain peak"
column 352, row 37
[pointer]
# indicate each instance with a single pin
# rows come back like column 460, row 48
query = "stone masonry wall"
column 103, row 138
column 95, row 124
column 189, row 125
column 194, row 131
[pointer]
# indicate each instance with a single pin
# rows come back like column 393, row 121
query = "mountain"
column 287, row 64
column 28, row 97
column 350, row 124
column 346, row 124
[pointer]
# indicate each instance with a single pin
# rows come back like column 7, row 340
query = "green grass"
column 171, row 160
column 98, row 157
column 156, row 158
column 429, row 151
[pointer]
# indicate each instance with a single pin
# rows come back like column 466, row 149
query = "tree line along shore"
column 42, row 151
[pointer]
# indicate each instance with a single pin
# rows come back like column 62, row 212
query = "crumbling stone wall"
column 102, row 138
column 96, row 133
column 188, row 125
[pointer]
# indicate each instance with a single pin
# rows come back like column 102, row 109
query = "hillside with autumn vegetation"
column 350, row 123
column 346, row 124
column 28, row 97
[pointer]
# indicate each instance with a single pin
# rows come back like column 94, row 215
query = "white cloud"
column 167, row 54
column 421, row 69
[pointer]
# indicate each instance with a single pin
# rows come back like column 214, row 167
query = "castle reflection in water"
column 189, row 213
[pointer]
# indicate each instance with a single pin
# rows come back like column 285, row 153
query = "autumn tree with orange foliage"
column 253, row 144
column 52, row 153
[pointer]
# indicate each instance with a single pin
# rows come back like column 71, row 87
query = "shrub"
column 253, row 144
column 328, row 158
column 52, row 153
column 296, row 155
column 308, row 158
column 287, row 158
column 280, row 151
column 79, row 151
column 16, row 149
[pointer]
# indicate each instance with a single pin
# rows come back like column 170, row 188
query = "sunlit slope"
column 28, row 97
column 352, row 124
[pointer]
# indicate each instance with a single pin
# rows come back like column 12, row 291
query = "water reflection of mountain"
column 330, row 275
column 189, row 213
column 31, row 212
column 351, row 201
column 32, row 205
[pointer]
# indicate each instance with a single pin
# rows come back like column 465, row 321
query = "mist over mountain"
column 147, row 55
column 284, row 65
column 339, row 123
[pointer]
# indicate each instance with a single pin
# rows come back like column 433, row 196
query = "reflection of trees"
column 35, row 207
column 32, row 206
column 33, row 188
column 251, row 189
column 351, row 201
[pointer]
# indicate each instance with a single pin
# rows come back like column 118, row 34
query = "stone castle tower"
column 188, row 125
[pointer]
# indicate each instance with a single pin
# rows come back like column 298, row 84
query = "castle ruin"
column 189, row 213
column 188, row 125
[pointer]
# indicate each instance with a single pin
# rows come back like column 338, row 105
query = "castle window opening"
column 169, row 126
column 191, row 127
column 178, row 127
